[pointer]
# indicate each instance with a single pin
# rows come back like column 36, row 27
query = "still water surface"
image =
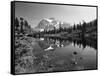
column 65, row 55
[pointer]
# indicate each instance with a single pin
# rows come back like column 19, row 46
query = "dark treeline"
column 22, row 26
column 77, row 30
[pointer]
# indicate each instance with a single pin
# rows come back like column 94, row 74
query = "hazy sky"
column 34, row 13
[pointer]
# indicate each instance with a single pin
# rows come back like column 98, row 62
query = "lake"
column 65, row 55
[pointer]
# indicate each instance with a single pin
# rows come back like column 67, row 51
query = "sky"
column 34, row 13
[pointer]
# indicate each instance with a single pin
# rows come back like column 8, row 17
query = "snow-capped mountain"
column 50, row 24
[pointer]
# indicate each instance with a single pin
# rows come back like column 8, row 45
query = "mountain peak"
column 50, row 24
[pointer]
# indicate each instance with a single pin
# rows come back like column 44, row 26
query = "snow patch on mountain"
column 49, row 20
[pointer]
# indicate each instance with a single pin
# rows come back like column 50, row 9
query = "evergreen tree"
column 16, row 23
column 21, row 24
column 74, row 27
column 26, row 24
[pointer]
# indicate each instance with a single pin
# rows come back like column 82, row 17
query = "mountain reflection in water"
column 66, row 55
column 81, row 43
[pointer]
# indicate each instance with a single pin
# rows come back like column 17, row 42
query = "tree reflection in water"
column 48, row 61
